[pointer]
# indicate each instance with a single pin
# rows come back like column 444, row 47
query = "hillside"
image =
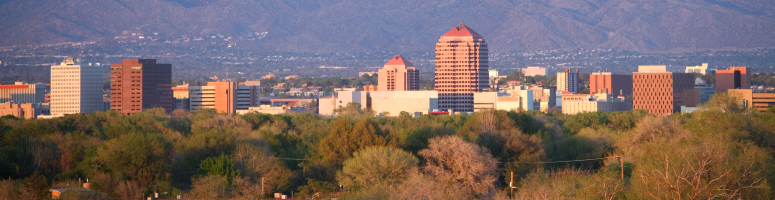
column 401, row 25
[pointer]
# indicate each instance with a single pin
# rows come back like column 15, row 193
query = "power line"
column 563, row 161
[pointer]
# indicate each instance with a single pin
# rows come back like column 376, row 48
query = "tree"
column 35, row 186
column 209, row 187
column 377, row 165
column 219, row 166
column 451, row 159
column 130, row 190
column 258, row 168
column 343, row 140
column 140, row 156
column 725, row 102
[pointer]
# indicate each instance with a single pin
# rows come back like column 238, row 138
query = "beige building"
column 461, row 68
column 24, row 110
column 568, row 81
column 266, row 109
column 76, row 88
column 23, row 93
column 221, row 96
column 600, row 102
column 398, row 75
column 395, row 102
column 758, row 101
column 697, row 69
column 534, row 71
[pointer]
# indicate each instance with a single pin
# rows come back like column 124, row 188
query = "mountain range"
column 402, row 25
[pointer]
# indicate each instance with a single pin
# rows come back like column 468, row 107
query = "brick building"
column 611, row 83
column 140, row 84
column 661, row 92
column 733, row 78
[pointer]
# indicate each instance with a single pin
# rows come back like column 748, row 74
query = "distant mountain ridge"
column 403, row 25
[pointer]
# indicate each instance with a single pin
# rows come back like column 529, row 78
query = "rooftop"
column 462, row 31
column 398, row 60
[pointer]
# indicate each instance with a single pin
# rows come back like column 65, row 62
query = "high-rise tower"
column 140, row 84
column 461, row 68
column 75, row 88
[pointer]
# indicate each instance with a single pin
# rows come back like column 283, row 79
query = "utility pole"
column 621, row 166
column 262, row 185
column 511, row 186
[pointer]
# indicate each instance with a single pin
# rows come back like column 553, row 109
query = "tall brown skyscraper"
column 461, row 68
column 140, row 84
column 398, row 75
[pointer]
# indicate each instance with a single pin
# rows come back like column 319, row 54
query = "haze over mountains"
column 402, row 25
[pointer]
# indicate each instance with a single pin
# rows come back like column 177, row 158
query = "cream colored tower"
column 75, row 88
column 461, row 68
column 398, row 75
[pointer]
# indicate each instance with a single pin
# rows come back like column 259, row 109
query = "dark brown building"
column 663, row 93
column 611, row 83
column 734, row 78
column 140, row 84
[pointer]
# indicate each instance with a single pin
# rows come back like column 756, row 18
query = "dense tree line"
column 721, row 151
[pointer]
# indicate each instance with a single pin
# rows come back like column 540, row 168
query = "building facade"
column 140, row 84
column 610, row 83
column 733, row 78
column 23, row 93
column 24, row 110
column 461, row 68
column 223, row 96
column 568, row 81
column 398, row 74
column 758, row 101
column 705, row 90
column 600, row 102
column 534, row 71
column 76, row 88
column 702, row 69
column 182, row 100
column 661, row 92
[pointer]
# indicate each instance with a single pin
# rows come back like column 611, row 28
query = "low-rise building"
column 600, row 102
column 25, row 110
column 266, row 109
column 23, row 93
column 534, row 71
column 758, row 101
column 705, row 90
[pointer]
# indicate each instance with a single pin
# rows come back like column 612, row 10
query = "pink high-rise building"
column 461, row 68
column 398, row 75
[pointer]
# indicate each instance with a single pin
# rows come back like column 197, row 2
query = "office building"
column 568, row 81
column 140, row 84
column 25, row 110
column 23, row 93
column 758, row 101
column 733, row 78
column 223, row 96
column 182, row 100
column 661, row 92
column 697, row 69
column 398, row 74
column 705, row 90
column 610, row 83
column 461, row 68
column 76, row 88
column 599, row 102
column 534, row 71
column 266, row 109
